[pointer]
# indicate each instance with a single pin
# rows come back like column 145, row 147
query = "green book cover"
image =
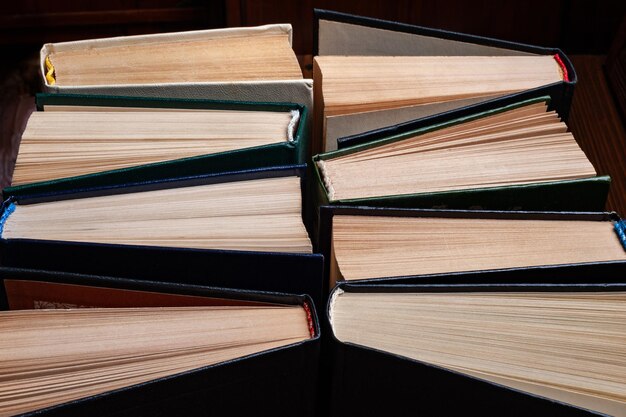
column 587, row 194
column 286, row 153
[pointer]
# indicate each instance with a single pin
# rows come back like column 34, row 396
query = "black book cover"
column 610, row 271
column 292, row 273
column 270, row 383
column 370, row 382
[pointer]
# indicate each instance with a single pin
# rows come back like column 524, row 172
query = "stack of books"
column 156, row 251
column 187, row 212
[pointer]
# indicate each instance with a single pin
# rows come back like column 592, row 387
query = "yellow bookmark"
column 50, row 72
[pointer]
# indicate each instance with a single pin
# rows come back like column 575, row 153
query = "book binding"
column 620, row 229
column 7, row 210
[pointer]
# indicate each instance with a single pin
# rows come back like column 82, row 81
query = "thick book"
column 518, row 155
column 346, row 37
column 241, row 230
column 109, row 346
column 489, row 350
column 401, row 246
column 253, row 64
column 78, row 141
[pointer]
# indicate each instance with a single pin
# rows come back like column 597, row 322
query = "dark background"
column 592, row 33
column 576, row 26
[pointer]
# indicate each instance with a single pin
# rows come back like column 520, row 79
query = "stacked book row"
column 192, row 228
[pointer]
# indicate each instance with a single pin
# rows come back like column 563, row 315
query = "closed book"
column 517, row 155
column 231, row 242
column 410, row 246
column 488, row 350
column 142, row 151
column 234, row 78
column 341, row 34
column 268, row 381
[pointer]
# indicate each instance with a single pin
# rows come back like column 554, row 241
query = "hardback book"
column 519, row 156
column 236, row 230
column 254, row 64
column 407, row 245
column 85, row 141
column 372, row 73
column 78, row 344
column 489, row 350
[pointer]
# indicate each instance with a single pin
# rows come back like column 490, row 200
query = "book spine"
column 559, row 61
column 50, row 75
column 331, row 302
column 567, row 89
column 620, row 229
column 309, row 318
column 293, row 125
column 6, row 212
column 330, row 191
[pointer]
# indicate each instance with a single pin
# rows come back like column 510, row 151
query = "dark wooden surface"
column 595, row 122
column 18, row 84
column 34, row 22
column 576, row 26
column 615, row 69
column 594, row 119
